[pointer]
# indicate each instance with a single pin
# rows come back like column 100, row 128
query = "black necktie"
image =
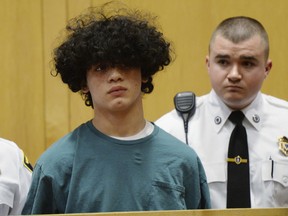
column 238, row 185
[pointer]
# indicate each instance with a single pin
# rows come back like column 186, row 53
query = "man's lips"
column 233, row 87
column 116, row 90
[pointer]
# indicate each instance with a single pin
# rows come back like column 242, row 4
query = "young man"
column 238, row 63
column 15, row 178
column 118, row 161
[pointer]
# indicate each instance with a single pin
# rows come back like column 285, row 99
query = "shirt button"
column 285, row 179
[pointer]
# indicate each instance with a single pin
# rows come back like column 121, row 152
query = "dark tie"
column 238, row 185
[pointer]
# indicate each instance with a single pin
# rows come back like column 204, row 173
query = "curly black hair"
column 123, row 38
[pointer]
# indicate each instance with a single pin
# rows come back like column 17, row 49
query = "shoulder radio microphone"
column 185, row 104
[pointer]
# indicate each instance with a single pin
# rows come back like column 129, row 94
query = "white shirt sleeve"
column 4, row 209
column 15, row 178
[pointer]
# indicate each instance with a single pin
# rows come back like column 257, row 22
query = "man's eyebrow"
column 250, row 58
column 221, row 56
column 243, row 57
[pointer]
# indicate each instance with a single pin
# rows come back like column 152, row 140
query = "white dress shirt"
column 15, row 178
column 266, row 120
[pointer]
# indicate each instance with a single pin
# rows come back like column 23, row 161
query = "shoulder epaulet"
column 199, row 100
column 276, row 101
column 26, row 163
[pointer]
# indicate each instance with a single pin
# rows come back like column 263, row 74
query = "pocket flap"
column 275, row 171
column 215, row 172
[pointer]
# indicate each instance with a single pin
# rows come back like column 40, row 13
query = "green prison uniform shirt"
column 87, row 171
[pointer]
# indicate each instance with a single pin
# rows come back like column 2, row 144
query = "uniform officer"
column 15, row 178
column 237, row 65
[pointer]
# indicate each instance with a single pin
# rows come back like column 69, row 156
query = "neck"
column 121, row 124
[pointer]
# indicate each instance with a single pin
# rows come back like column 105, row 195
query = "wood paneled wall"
column 37, row 109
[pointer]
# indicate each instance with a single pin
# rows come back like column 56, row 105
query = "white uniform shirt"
column 15, row 178
column 266, row 120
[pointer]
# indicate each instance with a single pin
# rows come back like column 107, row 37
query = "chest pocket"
column 166, row 196
column 216, row 179
column 275, row 178
column 216, row 173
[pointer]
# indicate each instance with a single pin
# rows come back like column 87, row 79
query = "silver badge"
column 217, row 120
column 256, row 118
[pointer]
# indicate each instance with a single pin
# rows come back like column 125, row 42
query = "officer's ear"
column 268, row 67
column 207, row 61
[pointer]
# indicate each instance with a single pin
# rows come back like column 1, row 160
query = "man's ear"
column 207, row 61
column 144, row 80
column 85, row 90
column 268, row 67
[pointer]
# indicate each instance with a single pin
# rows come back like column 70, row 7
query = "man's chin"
column 235, row 103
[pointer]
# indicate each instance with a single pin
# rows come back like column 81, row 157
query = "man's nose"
column 234, row 74
column 115, row 74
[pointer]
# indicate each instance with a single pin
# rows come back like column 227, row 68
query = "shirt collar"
column 219, row 112
column 254, row 112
